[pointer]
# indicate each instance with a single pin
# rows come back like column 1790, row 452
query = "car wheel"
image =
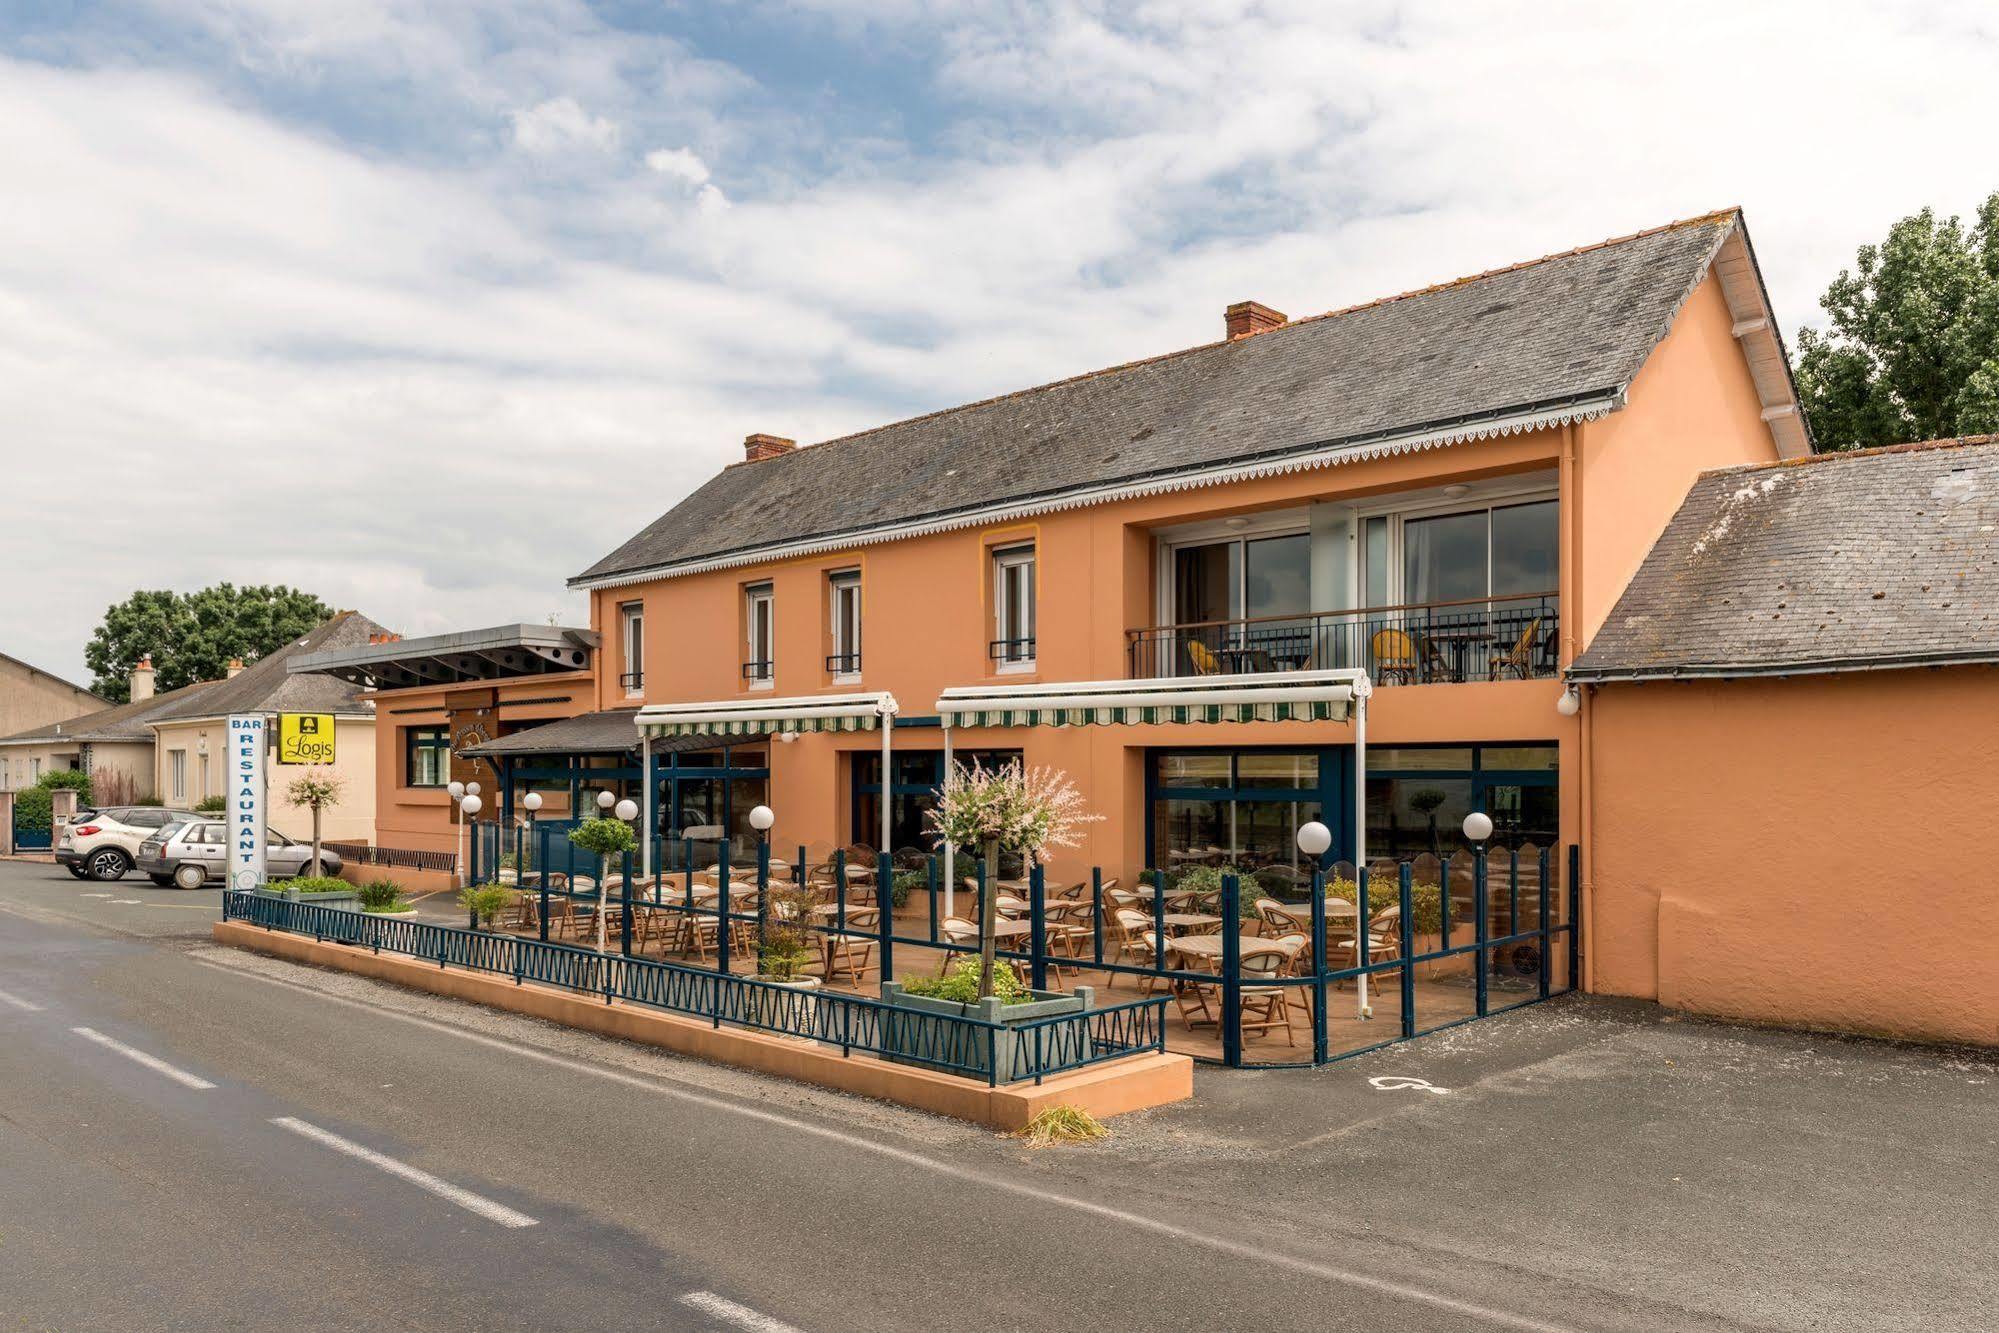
column 188, row 875
column 164, row 881
column 108, row 865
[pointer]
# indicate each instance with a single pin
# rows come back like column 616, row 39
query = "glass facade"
column 1237, row 807
column 918, row 775
column 1418, row 797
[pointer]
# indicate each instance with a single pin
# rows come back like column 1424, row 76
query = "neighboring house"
column 110, row 741
column 189, row 735
column 31, row 697
column 1448, row 488
column 1792, row 747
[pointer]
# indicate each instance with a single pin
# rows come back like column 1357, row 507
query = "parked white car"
column 190, row 854
column 104, row 844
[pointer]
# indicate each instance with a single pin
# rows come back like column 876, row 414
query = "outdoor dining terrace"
column 1298, row 980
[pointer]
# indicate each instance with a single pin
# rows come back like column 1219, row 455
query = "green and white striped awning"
column 1322, row 696
column 740, row 717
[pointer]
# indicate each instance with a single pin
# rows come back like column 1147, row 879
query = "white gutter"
column 1216, row 475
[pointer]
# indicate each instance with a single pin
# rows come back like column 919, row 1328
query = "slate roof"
column 34, row 670
column 1842, row 562
column 120, row 722
column 614, row 730
column 1565, row 330
column 268, row 684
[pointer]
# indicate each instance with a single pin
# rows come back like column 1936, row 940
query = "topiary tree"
column 315, row 790
column 607, row 838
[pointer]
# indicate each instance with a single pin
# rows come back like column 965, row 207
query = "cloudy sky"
column 425, row 306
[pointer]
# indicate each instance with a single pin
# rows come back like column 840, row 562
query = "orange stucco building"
column 1452, row 490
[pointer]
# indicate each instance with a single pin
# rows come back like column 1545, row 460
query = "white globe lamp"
column 456, row 790
column 531, row 802
column 471, row 789
column 1314, row 839
column 628, row 810
column 762, row 818
column 1570, row 703
column 1478, row 826
column 471, row 805
column 605, row 800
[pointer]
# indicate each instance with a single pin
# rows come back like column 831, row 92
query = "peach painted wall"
column 1814, row 852
column 1693, row 407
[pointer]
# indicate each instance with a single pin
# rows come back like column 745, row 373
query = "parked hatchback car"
column 103, row 844
column 196, row 852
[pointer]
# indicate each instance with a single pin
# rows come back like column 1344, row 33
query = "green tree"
column 1912, row 351
column 192, row 637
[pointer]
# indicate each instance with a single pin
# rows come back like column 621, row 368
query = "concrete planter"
column 786, row 1012
column 920, row 1034
column 345, row 902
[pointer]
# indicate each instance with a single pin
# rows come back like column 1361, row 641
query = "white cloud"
column 560, row 124
column 446, row 387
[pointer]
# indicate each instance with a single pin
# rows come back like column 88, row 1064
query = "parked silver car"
column 191, row 854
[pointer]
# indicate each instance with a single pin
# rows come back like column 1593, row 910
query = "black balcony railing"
column 1497, row 638
column 756, row 672
column 633, row 681
column 1011, row 652
column 843, row 664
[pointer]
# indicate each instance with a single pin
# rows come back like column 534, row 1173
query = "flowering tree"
column 1008, row 809
column 315, row 790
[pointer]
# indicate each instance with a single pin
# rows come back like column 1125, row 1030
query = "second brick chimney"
column 235, row 667
column 1245, row 318
column 142, row 679
column 758, row 447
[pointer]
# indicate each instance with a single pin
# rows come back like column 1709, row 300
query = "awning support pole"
column 888, row 801
column 950, row 852
column 648, row 794
column 1362, row 953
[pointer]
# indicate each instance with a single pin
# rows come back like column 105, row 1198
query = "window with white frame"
column 177, row 774
column 1013, row 646
column 760, row 628
column 843, row 598
column 202, row 792
column 632, row 626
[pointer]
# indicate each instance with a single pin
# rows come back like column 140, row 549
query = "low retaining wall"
column 1130, row 1084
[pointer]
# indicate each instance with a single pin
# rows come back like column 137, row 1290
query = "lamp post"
column 456, row 791
column 761, row 819
column 532, row 804
column 1477, row 828
column 468, row 807
column 1315, row 840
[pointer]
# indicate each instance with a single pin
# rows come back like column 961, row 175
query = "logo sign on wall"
column 246, row 802
column 305, row 738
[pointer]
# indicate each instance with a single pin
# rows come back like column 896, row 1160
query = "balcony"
column 1509, row 638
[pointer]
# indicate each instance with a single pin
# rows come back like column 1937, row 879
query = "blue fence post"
column 625, row 906
column 1231, row 1017
column 1037, row 934
column 985, row 870
column 1480, row 929
column 1159, row 919
column 1407, row 945
column 763, row 894
column 840, row 890
column 885, row 902
column 1547, row 958
column 1575, row 915
column 798, row 868
column 1097, row 915
column 1319, row 957
column 722, row 904
column 541, row 880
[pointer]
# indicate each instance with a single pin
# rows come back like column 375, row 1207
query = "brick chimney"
column 1247, row 318
column 142, row 679
column 758, row 447
column 235, row 668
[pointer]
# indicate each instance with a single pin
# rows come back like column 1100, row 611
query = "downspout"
column 1572, row 579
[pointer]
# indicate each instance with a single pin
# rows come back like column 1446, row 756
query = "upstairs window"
column 843, row 596
column 759, row 621
column 426, row 756
column 632, row 627
column 1013, row 608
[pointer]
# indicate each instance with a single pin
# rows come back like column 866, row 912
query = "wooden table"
column 1188, row 922
column 1208, row 948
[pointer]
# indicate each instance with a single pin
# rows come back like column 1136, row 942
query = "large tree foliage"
column 192, row 637
column 1913, row 348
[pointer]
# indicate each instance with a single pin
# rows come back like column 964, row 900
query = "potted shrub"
column 485, row 902
column 319, row 890
column 605, row 838
column 383, row 897
column 1207, row 882
column 924, row 1034
column 315, row 790
column 784, row 950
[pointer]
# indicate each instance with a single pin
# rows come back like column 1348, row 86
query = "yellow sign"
column 305, row 738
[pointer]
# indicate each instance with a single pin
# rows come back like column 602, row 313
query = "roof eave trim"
column 1744, row 671
column 1585, row 409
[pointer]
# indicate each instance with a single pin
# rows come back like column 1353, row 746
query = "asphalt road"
column 191, row 1137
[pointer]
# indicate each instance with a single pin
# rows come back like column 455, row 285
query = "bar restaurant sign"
column 246, row 801
column 305, row 738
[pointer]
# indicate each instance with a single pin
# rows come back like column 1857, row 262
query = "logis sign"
column 246, row 802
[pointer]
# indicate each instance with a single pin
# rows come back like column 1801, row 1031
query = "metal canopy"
column 743, row 717
column 501, row 652
column 1318, row 696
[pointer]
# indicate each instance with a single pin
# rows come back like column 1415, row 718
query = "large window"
column 1418, row 797
column 1502, row 552
column 1013, row 608
column 918, row 775
column 843, row 600
column 759, row 624
column 426, row 756
column 632, row 625
column 1239, row 807
column 177, row 776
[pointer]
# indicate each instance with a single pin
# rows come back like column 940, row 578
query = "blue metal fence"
column 993, row 1052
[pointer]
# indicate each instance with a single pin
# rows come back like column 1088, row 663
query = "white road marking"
column 126, row 902
column 20, row 1003
column 93, row 895
column 443, row 1189
column 137, row 1056
column 1400, row 1082
column 1223, row 1244
column 741, row 1316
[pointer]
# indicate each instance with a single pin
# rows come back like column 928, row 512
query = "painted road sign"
column 305, row 738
